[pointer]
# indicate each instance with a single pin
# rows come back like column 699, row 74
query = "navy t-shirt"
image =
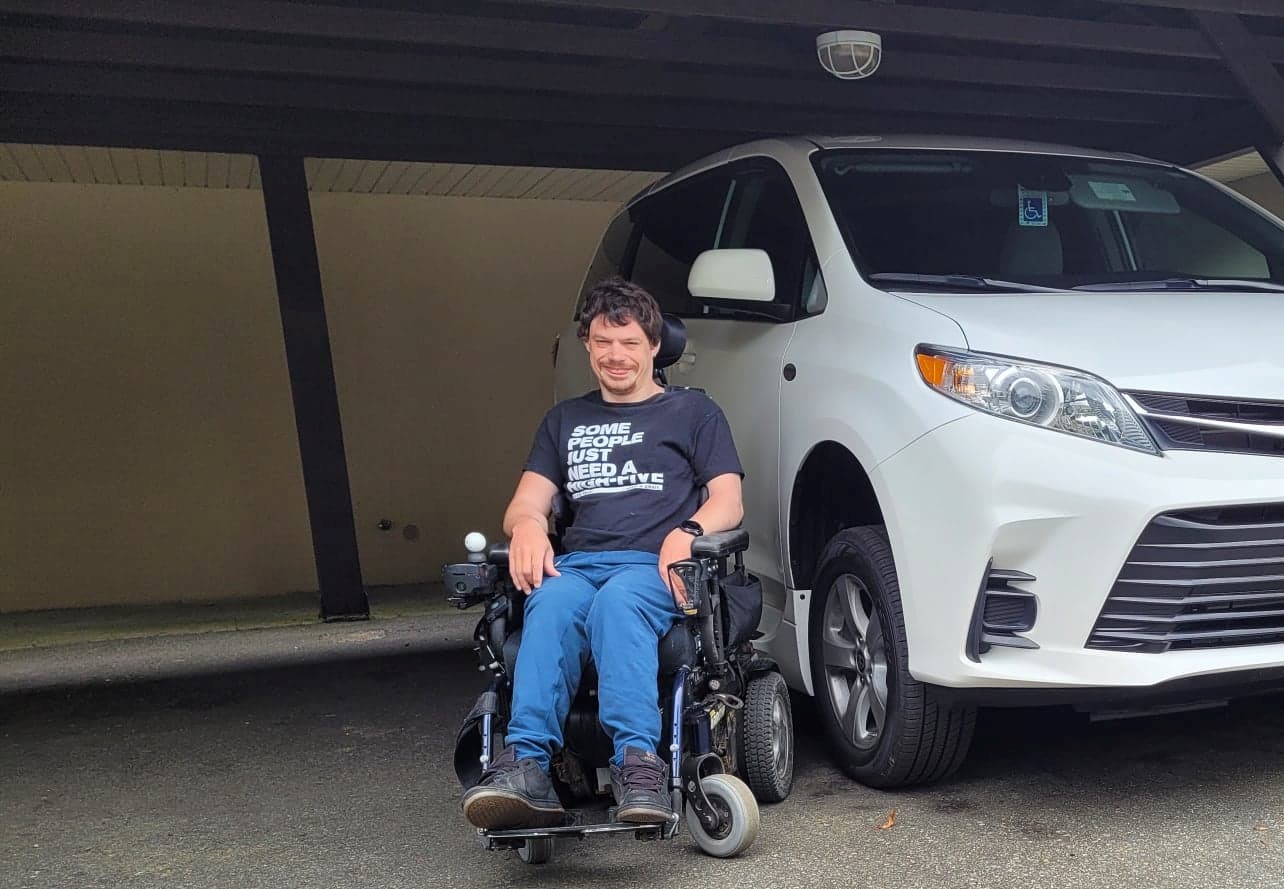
column 631, row 473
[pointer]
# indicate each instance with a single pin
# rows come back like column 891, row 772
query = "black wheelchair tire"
column 767, row 738
column 537, row 850
column 922, row 739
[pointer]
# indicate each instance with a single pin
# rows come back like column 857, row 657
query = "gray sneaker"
column 513, row 793
column 641, row 788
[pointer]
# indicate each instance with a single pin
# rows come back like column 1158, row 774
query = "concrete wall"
column 148, row 450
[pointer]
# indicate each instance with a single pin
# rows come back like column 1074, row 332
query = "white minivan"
column 1011, row 417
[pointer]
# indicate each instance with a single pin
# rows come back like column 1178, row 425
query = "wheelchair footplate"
column 578, row 829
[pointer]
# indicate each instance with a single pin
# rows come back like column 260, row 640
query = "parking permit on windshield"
column 1032, row 207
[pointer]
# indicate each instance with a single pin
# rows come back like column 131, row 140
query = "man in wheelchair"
column 632, row 461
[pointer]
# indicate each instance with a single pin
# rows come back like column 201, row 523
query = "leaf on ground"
column 1260, row 827
column 889, row 823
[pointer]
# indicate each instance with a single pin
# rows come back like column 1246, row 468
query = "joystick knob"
column 475, row 541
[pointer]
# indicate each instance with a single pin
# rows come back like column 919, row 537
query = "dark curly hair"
column 620, row 302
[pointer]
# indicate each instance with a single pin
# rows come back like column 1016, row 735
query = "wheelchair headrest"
column 673, row 341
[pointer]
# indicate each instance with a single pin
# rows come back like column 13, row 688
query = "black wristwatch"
column 692, row 527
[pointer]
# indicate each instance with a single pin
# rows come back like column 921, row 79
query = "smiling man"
column 631, row 460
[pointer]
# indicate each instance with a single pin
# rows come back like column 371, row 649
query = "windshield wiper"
column 964, row 282
column 1187, row 284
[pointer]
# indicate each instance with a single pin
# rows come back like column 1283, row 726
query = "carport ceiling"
column 622, row 84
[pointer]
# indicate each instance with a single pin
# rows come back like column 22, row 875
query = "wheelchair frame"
column 722, row 672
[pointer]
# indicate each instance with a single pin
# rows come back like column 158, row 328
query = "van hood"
column 1184, row 342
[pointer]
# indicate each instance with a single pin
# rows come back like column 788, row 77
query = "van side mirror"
column 733, row 274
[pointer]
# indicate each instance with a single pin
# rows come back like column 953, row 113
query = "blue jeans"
column 610, row 604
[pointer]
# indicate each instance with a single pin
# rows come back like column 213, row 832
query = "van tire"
column 918, row 738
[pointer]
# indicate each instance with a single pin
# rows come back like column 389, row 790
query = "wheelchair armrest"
column 720, row 544
column 497, row 554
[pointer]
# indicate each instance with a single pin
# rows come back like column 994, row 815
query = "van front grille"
column 1206, row 578
column 1199, row 423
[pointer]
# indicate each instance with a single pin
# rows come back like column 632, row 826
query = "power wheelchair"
column 726, row 718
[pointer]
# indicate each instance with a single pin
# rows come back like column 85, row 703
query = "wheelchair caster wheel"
column 537, row 850
column 737, row 817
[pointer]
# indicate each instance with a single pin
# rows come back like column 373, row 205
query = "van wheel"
column 886, row 729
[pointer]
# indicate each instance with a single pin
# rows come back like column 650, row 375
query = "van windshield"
column 1004, row 221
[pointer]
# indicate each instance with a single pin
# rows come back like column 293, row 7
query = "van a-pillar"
column 1256, row 74
column 316, row 399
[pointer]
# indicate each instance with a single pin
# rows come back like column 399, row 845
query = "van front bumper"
column 981, row 491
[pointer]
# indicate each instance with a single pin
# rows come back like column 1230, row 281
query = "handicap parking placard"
column 1032, row 207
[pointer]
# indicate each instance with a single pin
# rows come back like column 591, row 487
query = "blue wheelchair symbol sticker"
column 1032, row 207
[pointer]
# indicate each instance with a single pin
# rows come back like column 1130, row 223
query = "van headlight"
column 1039, row 394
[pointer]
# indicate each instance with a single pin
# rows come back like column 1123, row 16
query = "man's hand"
column 676, row 548
column 530, row 556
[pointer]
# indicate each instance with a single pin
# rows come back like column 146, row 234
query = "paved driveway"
column 335, row 774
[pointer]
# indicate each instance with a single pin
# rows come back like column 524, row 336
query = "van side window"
column 765, row 214
column 611, row 257
column 677, row 225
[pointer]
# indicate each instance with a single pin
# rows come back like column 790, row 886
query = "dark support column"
column 1274, row 157
column 1256, row 74
column 316, row 400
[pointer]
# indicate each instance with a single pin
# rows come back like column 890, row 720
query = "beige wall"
column 148, row 450
column 442, row 317
column 1265, row 189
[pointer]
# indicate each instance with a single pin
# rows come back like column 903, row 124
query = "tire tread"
column 758, row 760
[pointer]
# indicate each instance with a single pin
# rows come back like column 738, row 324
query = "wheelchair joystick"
column 475, row 543
column 468, row 583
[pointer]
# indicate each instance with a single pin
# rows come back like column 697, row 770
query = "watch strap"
column 692, row 527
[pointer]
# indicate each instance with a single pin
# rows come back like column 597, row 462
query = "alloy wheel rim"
column 854, row 649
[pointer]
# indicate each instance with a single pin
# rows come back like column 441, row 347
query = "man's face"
column 621, row 357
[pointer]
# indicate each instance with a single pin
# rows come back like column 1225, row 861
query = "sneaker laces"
column 645, row 773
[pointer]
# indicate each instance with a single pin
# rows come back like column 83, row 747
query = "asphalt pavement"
column 319, row 756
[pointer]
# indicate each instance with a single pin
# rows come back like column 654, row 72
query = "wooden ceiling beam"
column 1270, row 8
column 179, row 126
column 928, row 21
column 1243, row 55
column 1232, row 129
column 347, row 23
column 713, row 53
column 212, row 57
column 715, row 112
column 78, row 120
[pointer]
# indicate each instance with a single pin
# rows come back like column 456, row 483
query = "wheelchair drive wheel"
column 737, row 817
column 767, row 751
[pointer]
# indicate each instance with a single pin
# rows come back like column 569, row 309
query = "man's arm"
column 723, row 511
column 530, row 555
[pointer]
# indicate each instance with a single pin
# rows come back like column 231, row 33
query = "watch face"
column 692, row 528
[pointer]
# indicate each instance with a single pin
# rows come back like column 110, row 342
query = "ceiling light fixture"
column 849, row 55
